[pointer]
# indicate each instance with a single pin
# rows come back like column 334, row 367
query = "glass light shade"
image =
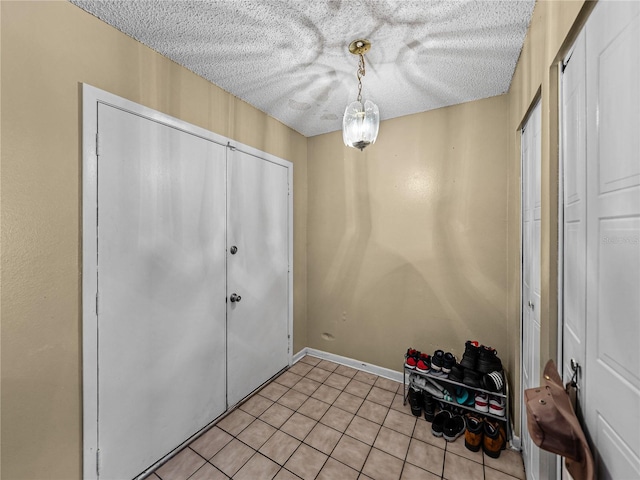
column 360, row 124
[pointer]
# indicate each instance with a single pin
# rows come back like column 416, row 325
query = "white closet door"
column 613, row 237
column 161, row 289
column 531, row 216
column 258, row 222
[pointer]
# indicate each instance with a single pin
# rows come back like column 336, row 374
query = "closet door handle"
column 235, row 298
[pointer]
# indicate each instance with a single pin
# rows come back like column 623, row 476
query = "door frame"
column 91, row 98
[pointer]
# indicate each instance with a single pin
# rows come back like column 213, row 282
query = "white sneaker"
column 482, row 402
column 496, row 406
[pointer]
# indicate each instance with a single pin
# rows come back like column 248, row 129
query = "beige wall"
column 407, row 239
column 48, row 49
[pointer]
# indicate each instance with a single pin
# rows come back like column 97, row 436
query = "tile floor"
column 324, row 421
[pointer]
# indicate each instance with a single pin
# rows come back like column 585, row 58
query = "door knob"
column 233, row 250
column 235, row 298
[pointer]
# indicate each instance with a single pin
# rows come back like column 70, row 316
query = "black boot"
column 429, row 406
column 415, row 401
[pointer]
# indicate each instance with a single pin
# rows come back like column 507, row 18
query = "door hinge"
column 97, row 144
column 98, row 462
column 96, row 303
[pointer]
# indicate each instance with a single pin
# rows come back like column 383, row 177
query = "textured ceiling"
column 290, row 58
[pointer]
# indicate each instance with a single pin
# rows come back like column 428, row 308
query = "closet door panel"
column 161, row 289
column 258, row 227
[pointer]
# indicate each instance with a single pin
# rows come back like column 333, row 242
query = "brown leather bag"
column 553, row 425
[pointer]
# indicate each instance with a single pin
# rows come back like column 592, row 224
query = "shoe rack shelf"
column 445, row 381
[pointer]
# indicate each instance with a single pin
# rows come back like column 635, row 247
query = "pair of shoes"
column 486, row 434
column 488, row 360
column 495, row 439
column 447, row 425
column 429, row 407
column 411, row 358
column 493, row 381
column 471, row 353
column 472, row 378
column 441, row 363
column 416, row 399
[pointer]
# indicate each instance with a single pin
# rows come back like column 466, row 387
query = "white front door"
column 607, row 281
column 161, row 289
column 258, row 273
column 530, row 307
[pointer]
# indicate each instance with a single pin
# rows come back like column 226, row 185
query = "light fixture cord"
column 361, row 73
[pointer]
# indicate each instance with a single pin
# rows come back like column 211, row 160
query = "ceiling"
column 290, row 58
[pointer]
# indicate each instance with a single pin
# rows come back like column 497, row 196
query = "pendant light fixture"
column 361, row 119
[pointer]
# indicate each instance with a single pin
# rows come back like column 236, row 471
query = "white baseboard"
column 350, row 362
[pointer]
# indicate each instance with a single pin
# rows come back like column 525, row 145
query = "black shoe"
column 470, row 356
column 472, row 378
column 457, row 373
column 453, row 428
column 494, row 382
column 448, row 361
column 437, row 360
column 429, row 407
column 438, row 422
column 488, row 360
column 415, row 401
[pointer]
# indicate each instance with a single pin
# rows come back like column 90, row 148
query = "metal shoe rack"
column 472, row 390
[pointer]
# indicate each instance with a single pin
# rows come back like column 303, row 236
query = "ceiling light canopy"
column 361, row 119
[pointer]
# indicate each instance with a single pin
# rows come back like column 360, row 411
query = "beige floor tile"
column 323, row 438
column 392, row 442
column 399, row 405
column 426, row 456
column 381, row 396
column 364, row 477
column 318, row 374
column 334, row 470
column 411, row 472
column 235, row 422
column 400, row 422
column 365, row 377
column 256, row 405
column 358, row 388
column 313, row 408
column 300, row 368
column 382, row 466
column 208, row 472
column 232, row 457
column 327, row 365
column 306, row 462
column 373, row 411
column 509, row 462
column 422, row 432
column 257, row 468
column 298, row 426
column 348, row 402
column 458, row 448
column 256, row 434
column 346, row 371
column 351, row 452
column 460, row 468
column 274, row 391
column 306, row 386
column 337, row 418
column 387, row 384
column 336, row 380
column 310, row 360
column 293, row 399
column 181, row 466
column 491, row 474
column 285, row 474
column 326, row 393
column 288, row 379
column 211, row 442
column 363, row 430
column 276, row 415
column 279, row 447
